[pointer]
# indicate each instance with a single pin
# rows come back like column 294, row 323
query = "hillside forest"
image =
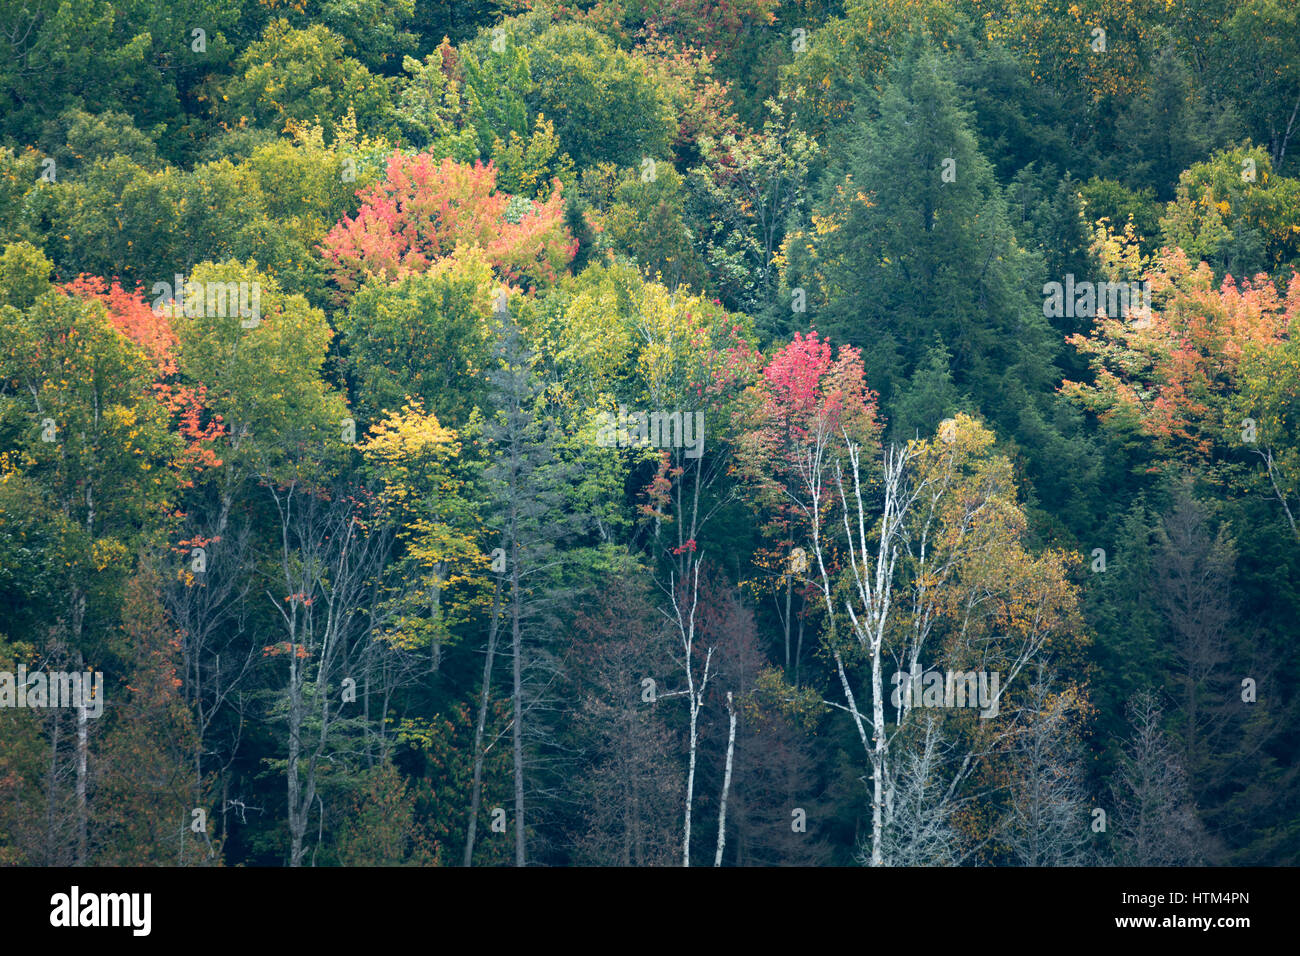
column 649, row 432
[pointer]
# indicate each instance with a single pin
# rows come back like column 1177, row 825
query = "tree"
column 328, row 560
column 927, row 399
column 523, row 480
column 425, row 337
column 777, row 772
column 709, row 25
column 903, row 219
column 261, row 374
column 847, row 54
column 380, row 828
column 495, row 89
column 1155, row 821
column 430, row 109
column 1047, row 816
column 666, row 253
column 1262, row 39
column 942, row 570
column 424, row 209
column 79, row 138
column 1177, row 376
column 1167, row 128
column 607, row 104
column 1193, row 587
column 1235, row 212
column 147, row 790
column 630, row 785
column 300, row 76
column 425, row 496
column 1269, row 388
column 76, row 408
column 748, row 191
column 700, row 100
column 371, row 30
column 794, row 419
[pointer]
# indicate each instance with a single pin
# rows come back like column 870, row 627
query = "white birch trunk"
column 726, row 783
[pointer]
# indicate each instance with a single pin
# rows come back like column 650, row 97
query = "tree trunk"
column 690, row 785
column 83, row 747
column 878, row 756
column 435, row 605
column 789, row 586
column 297, row 816
column 476, row 792
column 726, row 783
column 518, row 701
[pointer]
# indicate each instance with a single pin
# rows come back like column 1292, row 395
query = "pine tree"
column 917, row 241
column 525, row 479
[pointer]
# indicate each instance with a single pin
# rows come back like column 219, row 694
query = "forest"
column 649, row 433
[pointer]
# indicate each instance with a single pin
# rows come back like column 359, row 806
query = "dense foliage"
column 514, row 432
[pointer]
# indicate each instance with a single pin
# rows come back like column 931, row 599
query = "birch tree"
column 914, row 555
column 934, row 568
column 685, row 603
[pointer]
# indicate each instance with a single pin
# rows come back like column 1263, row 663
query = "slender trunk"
column 83, row 747
column 1286, row 136
column 798, row 648
column 696, row 698
column 633, row 844
column 726, row 783
column 789, row 587
column 518, row 700
column 877, row 760
column 1267, row 455
column 476, row 792
column 51, row 784
column 435, row 606
column 83, row 726
column 297, row 821
column 690, row 786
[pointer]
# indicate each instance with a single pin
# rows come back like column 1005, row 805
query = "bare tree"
column 207, row 601
column 1193, row 586
column 328, row 558
column 1155, row 820
column 630, row 784
column 480, row 724
column 685, row 603
column 1047, row 821
column 526, row 476
column 726, row 780
column 921, row 809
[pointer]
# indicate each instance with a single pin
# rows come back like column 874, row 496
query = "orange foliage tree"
column 424, row 209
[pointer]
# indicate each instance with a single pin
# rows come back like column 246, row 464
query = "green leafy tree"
column 607, row 105
column 1234, row 212
column 912, row 207
column 301, row 76
column 426, row 336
